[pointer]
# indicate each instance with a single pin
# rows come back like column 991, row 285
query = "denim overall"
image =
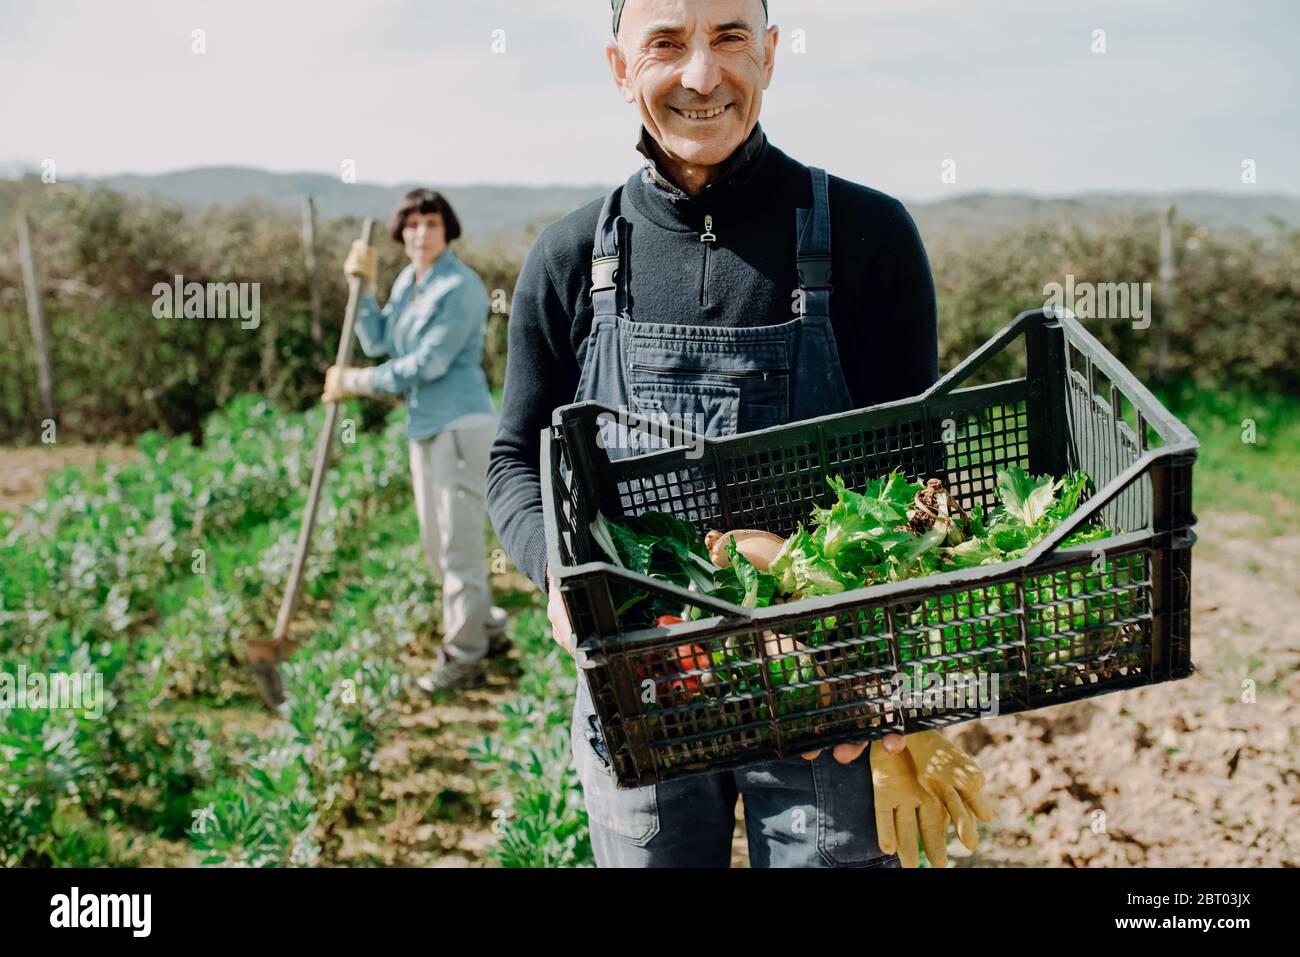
column 798, row 813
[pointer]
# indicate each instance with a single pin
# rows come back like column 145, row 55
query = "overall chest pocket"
column 725, row 388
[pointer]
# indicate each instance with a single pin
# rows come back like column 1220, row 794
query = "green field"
column 1237, row 471
column 154, row 574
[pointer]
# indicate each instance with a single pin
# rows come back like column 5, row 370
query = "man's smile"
column 702, row 114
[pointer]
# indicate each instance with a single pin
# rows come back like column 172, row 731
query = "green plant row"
column 545, row 824
column 152, row 576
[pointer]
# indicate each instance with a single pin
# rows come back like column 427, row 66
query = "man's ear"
column 770, row 43
column 618, row 67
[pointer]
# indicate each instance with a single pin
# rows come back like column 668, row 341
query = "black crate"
column 1056, row 625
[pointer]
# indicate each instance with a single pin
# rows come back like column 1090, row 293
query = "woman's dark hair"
column 424, row 201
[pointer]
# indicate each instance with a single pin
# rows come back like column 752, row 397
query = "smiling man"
column 728, row 282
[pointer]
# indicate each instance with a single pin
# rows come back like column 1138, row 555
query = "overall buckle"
column 604, row 269
column 815, row 272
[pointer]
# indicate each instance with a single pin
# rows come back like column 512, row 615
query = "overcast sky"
column 886, row 92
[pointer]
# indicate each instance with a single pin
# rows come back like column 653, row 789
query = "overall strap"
column 608, row 275
column 813, row 227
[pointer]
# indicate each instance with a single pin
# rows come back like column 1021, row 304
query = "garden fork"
column 265, row 654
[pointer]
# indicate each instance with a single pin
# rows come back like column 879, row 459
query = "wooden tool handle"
column 324, row 447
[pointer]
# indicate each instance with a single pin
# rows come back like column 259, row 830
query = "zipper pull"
column 707, row 236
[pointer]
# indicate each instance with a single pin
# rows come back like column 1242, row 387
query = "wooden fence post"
column 309, row 247
column 1166, row 292
column 36, row 317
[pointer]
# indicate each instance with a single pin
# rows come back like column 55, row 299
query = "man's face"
column 697, row 69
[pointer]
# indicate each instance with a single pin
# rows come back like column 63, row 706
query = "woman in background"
column 432, row 327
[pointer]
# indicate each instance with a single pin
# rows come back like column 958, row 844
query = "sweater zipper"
column 707, row 239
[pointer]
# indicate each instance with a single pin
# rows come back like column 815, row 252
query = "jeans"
column 798, row 813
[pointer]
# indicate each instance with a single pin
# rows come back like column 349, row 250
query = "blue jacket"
column 434, row 332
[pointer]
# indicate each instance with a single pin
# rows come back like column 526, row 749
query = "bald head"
column 618, row 12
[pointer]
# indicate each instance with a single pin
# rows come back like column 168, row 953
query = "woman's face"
column 425, row 237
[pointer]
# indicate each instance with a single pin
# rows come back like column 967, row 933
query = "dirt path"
column 442, row 806
column 24, row 471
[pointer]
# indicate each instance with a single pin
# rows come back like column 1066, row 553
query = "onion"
column 756, row 545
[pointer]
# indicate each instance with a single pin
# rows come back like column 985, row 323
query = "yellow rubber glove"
column 362, row 260
column 951, row 775
column 904, row 808
column 345, row 382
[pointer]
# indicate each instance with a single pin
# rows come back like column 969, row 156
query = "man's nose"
column 702, row 74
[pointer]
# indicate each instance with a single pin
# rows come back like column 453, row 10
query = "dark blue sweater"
column 882, row 307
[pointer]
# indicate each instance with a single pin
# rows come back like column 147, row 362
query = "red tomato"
column 656, row 665
column 684, row 689
column 665, row 668
column 693, row 658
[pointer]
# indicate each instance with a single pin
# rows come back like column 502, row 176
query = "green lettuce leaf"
column 1024, row 498
column 973, row 552
column 878, row 508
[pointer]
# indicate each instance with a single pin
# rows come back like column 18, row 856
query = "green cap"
column 618, row 12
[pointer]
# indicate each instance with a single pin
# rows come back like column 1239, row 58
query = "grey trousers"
column 449, row 472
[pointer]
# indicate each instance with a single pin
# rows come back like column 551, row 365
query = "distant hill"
column 982, row 215
column 483, row 210
column 488, row 210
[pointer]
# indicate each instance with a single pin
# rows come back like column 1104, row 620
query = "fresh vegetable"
column 892, row 529
column 740, row 582
column 933, row 507
column 693, row 658
column 689, row 657
column 757, row 546
column 659, row 546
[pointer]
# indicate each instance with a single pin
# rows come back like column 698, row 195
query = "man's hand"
column 362, row 261
column 344, row 382
column 561, row 629
column 849, row 752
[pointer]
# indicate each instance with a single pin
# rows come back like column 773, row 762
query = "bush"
column 1233, row 319
column 120, row 371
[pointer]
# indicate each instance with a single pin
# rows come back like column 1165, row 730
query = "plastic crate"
column 1056, row 625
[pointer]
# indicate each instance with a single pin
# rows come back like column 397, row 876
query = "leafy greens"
column 862, row 538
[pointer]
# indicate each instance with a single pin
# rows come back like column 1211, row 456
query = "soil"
column 1198, row 772
column 24, row 471
column 442, row 805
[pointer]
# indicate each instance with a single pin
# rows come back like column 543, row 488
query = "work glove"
column 342, row 382
column 904, row 808
column 951, row 775
column 362, row 261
